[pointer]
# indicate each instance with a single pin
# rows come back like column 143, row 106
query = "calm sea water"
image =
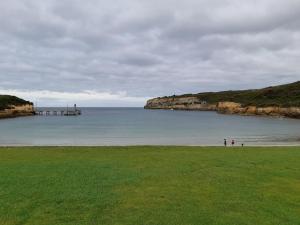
column 136, row 126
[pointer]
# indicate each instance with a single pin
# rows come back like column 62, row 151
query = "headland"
column 282, row 101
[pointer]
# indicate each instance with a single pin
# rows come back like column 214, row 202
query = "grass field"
column 149, row 185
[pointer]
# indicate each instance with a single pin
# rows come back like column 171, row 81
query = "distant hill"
column 287, row 95
column 7, row 100
column 283, row 101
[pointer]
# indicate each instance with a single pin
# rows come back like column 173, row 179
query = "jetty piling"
column 67, row 112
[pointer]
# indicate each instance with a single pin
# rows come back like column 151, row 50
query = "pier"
column 67, row 112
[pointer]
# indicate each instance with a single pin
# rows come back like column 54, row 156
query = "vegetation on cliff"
column 7, row 100
column 287, row 95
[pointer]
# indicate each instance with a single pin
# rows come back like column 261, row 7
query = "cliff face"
column 282, row 100
column 184, row 103
column 236, row 108
column 17, row 110
column 194, row 103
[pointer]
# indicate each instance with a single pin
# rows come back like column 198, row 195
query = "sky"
column 123, row 52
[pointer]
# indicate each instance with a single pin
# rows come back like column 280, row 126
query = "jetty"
column 68, row 112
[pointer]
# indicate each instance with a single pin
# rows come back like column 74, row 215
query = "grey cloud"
column 148, row 48
column 139, row 59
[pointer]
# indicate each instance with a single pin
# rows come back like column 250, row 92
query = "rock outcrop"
column 236, row 108
column 184, row 103
column 17, row 111
column 281, row 100
column 227, row 107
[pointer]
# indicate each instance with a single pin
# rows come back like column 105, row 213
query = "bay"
column 137, row 126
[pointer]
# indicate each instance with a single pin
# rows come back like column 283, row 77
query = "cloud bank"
column 102, row 50
column 85, row 98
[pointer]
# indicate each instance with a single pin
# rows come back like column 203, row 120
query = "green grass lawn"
column 149, row 185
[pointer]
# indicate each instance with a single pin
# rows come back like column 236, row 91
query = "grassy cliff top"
column 284, row 95
column 7, row 100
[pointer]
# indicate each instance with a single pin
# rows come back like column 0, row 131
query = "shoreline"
column 236, row 111
column 204, row 146
column 2, row 117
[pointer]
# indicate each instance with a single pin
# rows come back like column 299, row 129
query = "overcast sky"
column 122, row 52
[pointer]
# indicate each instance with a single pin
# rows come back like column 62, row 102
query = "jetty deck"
column 67, row 112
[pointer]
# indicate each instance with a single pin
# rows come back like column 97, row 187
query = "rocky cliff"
column 11, row 106
column 184, row 103
column 236, row 108
column 192, row 103
column 283, row 101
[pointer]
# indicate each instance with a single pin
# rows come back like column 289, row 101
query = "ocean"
column 137, row 126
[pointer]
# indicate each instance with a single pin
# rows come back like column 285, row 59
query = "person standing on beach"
column 225, row 142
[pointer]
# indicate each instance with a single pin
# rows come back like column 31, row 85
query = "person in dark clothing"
column 232, row 142
column 225, row 142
